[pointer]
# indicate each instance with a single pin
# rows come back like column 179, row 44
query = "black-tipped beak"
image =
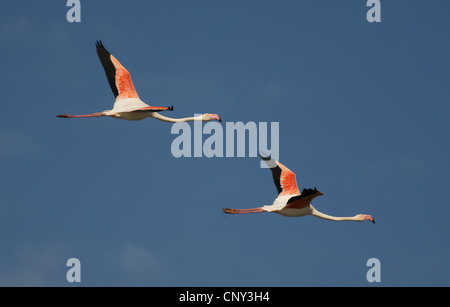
column 373, row 220
column 219, row 120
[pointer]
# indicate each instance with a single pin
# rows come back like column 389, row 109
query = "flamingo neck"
column 332, row 218
column 174, row 120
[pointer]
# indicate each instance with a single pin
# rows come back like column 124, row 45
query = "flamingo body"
column 128, row 105
column 290, row 202
column 295, row 212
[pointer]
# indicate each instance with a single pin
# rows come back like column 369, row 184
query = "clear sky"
column 363, row 109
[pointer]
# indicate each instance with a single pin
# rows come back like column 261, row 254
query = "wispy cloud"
column 14, row 144
column 12, row 28
column 22, row 31
column 32, row 265
column 137, row 261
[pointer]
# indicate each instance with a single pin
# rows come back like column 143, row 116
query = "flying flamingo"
column 128, row 105
column 289, row 201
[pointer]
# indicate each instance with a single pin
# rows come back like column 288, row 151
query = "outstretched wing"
column 303, row 200
column 284, row 178
column 119, row 78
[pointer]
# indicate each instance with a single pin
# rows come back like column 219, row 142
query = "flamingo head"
column 207, row 117
column 364, row 217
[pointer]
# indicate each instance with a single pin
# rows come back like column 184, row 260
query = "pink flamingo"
column 128, row 105
column 289, row 201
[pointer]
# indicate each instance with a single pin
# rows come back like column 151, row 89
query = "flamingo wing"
column 303, row 200
column 119, row 78
column 284, row 178
column 155, row 109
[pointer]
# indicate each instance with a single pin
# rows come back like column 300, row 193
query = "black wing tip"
column 170, row 108
column 265, row 157
column 99, row 46
column 307, row 192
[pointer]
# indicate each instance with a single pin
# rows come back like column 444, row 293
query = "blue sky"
column 363, row 110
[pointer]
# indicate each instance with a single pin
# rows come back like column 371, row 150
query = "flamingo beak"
column 369, row 218
column 214, row 116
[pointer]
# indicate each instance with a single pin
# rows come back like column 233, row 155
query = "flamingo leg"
column 98, row 114
column 242, row 211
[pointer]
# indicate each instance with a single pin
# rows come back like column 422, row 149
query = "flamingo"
column 289, row 201
column 128, row 105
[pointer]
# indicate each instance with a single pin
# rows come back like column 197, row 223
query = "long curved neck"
column 332, row 218
column 174, row 120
